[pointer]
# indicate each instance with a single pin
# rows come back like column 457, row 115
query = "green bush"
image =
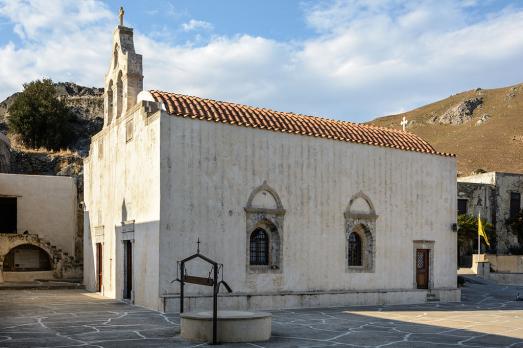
column 40, row 118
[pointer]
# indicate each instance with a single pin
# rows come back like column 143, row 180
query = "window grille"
column 354, row 250
column 259, row 247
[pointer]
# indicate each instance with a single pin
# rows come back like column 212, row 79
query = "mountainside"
column 483, row 127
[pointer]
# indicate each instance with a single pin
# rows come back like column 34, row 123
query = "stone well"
column 233, row 326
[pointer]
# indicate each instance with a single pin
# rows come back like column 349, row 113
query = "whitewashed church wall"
column 208, row 171
column 121, row 185
column 46, row 206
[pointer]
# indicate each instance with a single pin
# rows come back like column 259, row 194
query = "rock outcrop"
column 5, row 154
column 459, row 113
column 484, row 118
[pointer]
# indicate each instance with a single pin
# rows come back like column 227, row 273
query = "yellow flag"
column 481, row 231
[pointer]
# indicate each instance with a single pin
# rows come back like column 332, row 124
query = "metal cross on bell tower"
column 404, row 123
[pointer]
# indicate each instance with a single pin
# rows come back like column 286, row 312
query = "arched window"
column 115, row 56
column 259, row 247
column 110, row 105
column 119, row 95
column 355, row 250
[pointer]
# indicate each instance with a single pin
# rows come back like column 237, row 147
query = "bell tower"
column 124, row 80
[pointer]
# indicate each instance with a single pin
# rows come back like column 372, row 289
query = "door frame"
column 99, row 267
column 423, row 244
column 128, row 280
column 425, row 253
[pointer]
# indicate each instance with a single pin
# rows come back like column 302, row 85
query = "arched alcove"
column 27, row 258
column 115, row 56
column 119, row 95
column 109, row 105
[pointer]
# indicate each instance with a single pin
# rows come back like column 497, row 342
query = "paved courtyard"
column 489, row 316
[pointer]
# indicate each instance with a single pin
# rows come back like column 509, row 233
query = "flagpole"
column 479, row 237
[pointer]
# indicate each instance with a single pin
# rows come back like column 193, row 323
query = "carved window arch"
column 360, row 234
column 119, row 95
column 264, row 214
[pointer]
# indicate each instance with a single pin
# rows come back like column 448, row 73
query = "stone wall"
column 5, row 154
column 46, row 207
column 506, row 263
column 489, row 193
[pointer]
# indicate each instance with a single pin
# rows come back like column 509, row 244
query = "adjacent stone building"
column 497, row 196
column 301, row 211
column 38, row 228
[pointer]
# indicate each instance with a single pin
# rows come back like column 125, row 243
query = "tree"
column 468, row 230
column 40, row 118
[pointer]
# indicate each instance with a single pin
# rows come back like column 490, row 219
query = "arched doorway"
column 27, row 258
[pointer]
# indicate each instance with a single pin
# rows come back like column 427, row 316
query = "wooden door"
column 99, row 267
column 422, row 268
column 128, row 269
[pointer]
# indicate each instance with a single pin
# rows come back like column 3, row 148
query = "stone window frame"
column 367, row 222
column 270, row 220
column 467, row 200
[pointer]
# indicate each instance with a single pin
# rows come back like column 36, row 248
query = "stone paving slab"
column 488, row 316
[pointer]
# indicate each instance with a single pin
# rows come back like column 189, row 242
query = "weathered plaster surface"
column 46, row 206
column 209, row 170
column 122, row 184
column 47, row 210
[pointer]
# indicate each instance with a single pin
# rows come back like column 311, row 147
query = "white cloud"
column 367, row 58
column 194, row 24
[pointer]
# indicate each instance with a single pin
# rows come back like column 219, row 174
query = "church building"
column 301, row 211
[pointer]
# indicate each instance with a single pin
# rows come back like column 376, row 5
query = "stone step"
column 432, row 297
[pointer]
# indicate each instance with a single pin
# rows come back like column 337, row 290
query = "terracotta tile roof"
column 287, row 122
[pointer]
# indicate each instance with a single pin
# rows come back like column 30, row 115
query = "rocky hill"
column 87, row 106
column 483, row 127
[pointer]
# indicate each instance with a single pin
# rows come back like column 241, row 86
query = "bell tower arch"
column 124, row 80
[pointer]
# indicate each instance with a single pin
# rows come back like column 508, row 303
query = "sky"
column 345, row 59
